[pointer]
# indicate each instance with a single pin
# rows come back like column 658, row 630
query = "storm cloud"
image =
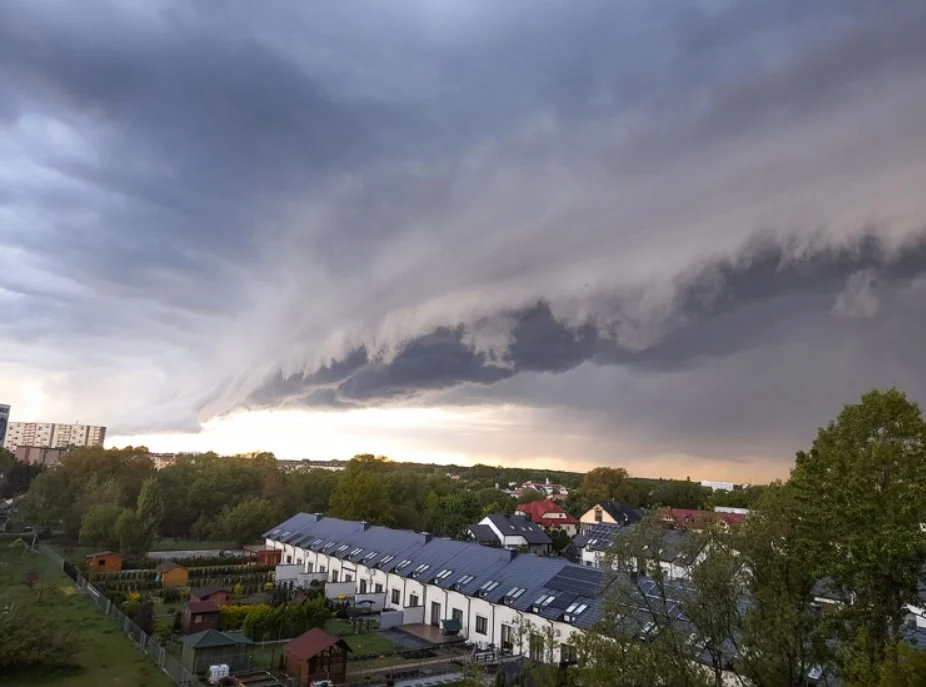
column 700, row 224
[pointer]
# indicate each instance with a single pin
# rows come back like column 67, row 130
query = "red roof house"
column 686, row 518
column 549, row 515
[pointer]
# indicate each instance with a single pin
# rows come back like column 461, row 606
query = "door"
column 435, row 614
column 363, row 586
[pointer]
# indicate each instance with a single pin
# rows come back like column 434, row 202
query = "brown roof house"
column 172, row 575
column 211, row 647
column 217, row 594
column 103, row 561
column 316, row 655
column 199, row 616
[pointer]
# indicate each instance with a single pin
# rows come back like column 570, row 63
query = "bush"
column 170, row 595
column 32, row 642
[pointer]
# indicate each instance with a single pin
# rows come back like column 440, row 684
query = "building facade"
column 4, row 421
column 52, row 435
column 521, row 603
column 39, row 455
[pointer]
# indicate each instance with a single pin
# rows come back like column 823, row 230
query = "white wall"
column 335, row 589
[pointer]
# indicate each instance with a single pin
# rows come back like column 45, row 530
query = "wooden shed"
column 199, row 616
column 316, row 655
column 219, row 595
column 211, row 647
column 103, row 561
column 172, row 575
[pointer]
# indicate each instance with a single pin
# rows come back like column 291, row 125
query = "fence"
column 167, row 663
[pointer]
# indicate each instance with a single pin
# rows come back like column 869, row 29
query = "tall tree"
column 134, row 539
column 98, row 525
column 361, row 496
column 861, row 489
column 150, row 508
column 244, row 522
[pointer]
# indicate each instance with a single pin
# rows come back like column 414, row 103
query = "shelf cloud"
column 700, row 223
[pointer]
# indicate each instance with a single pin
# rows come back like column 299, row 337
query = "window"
column 482, row 625
column 355, row 552
column 443, row 574
column 341, row 548
column 197, row 619
column 403, row 564
column 420, row 569
column 322, row 569
column 457, row 614
column 466, row 579
column 515, row 592
column 101, row 562
column 396, row 597
column 378, row 588
column 507, row 642
column 310, row 567
column 370, row 555
column 598, row 515
column 289, row 559
column 363, row 586
column 348, row 577
column 536, row 648
column 413, row 600
column 386, row 560
column 568, row 653
column 334, row 575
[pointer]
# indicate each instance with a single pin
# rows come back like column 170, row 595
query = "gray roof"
column 621, row 512
column 598, row 538
column 483, row 533
column 498, row 575
column 518, row 526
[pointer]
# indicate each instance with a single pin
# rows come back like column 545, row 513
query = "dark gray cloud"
column 321, row 207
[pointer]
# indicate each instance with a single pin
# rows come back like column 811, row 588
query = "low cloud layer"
column 699, row 225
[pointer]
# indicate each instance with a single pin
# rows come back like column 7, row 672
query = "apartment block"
column 4, row 421
column 52, row 435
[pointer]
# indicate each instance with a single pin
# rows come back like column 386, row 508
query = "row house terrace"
column 521, row 603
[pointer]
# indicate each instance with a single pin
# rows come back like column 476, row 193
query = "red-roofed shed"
column 316, row 655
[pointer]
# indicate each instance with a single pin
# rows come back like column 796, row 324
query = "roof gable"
column 312, row 643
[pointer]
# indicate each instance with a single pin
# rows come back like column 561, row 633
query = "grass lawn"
column 106, row 656
column 368, row 643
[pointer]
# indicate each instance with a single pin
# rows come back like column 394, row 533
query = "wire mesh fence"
column 167, row 663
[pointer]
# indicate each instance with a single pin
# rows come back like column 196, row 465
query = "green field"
column 106, row 656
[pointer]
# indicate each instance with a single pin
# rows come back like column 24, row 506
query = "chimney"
column 317, row 516
column 427, row 536
column 512, row 554
column 365, row 525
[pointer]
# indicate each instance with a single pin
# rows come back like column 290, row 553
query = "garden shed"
column 199, row 616
column 212, row 647
column 316, row 655
column 172, row 575
column 103, row 561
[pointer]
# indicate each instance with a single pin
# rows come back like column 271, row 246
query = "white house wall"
column 496, row 614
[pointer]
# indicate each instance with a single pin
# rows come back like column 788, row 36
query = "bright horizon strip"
column 444, row 436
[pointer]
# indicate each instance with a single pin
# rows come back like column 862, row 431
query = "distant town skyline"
column 675, row 237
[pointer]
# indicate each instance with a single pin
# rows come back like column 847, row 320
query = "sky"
column 675, row 237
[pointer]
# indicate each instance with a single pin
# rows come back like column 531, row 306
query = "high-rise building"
column 4, row 420
column 51, row 435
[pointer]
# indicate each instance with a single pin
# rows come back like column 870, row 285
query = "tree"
column 609, row 484
column 680, row 494
column 145, row 617
column 134, row 539
column 150, row 508
column 245, row 522
column 531, row 495
column 861, row 490
column 361, row 496
column 98, row 526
